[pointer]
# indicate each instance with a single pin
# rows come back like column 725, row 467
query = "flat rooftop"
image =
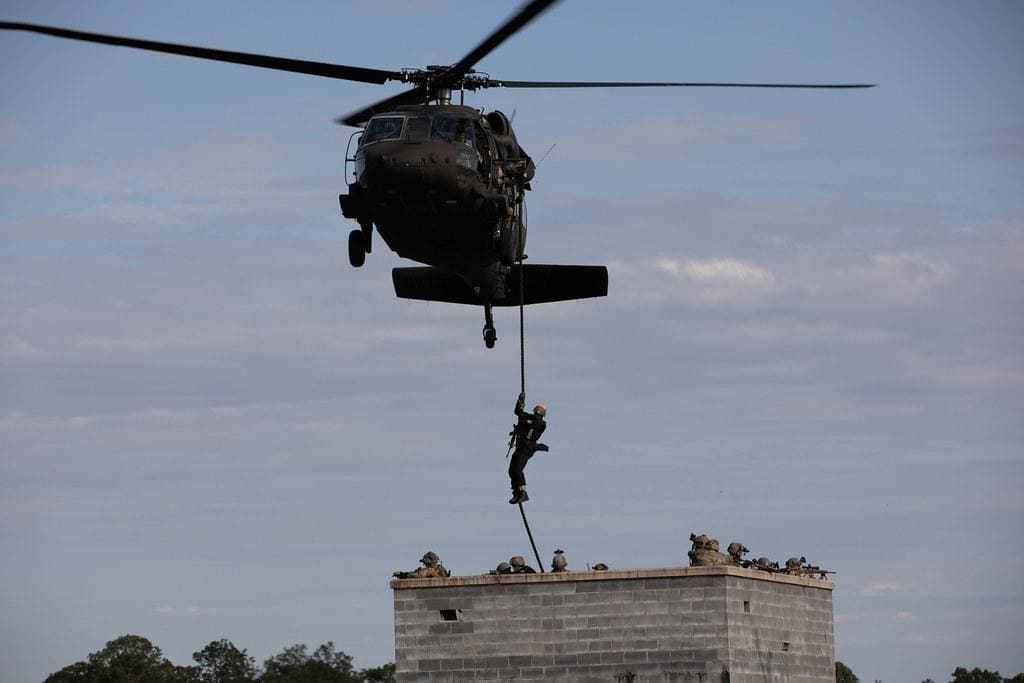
column 610, row 575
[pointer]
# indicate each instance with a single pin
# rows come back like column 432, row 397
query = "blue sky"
column 211, row 426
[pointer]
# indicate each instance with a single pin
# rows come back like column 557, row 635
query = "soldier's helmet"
column 763, row 563
column 558, row 562
column 430, row 558
column 737, row 549
column 699, row 542
column 600, row 567
column 712, row 544
column 793, row 562
column 504, row 568
column 540, row 410
column 517, row 561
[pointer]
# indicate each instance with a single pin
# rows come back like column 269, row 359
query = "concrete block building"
column 678, row 624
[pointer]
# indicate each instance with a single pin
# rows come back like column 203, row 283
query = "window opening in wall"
column 746, row 606
column 785, row 647
column 450, row 614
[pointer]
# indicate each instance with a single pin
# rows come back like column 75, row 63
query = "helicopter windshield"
column 419, row 128
column 444, row 128
column 383, row 128
column 453, row 129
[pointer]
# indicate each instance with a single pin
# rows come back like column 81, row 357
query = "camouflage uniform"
column 431, row 569
column 559, row 563
column 704, row 553
column 794, row 565
column 736, row 552
column 519, row 565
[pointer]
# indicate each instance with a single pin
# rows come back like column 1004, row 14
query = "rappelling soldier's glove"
column 541, row 447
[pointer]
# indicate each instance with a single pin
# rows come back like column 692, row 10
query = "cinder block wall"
column 708, row 624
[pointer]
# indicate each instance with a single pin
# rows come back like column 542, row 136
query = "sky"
column 211, row 426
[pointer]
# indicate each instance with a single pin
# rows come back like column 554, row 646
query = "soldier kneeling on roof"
column 519, row 565
column 431, row 569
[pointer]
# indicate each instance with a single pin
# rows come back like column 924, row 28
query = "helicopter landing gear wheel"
column 490, row 334
column 356, row 248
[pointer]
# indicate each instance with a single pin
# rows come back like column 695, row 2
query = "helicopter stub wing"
column 542, row 283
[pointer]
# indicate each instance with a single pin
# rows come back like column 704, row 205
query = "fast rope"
column 540, row 565
column 522, row 388
column 522, row 334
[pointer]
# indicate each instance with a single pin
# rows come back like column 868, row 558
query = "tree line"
column 960, row 675
column 134, row 659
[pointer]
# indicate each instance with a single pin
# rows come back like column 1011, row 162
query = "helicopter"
column 443, row 184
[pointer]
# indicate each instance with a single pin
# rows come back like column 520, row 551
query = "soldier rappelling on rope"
column 524, row 435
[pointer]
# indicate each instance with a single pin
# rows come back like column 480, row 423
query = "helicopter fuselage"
column 443, row 185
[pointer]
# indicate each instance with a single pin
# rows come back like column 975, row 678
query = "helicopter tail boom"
column 542, row 283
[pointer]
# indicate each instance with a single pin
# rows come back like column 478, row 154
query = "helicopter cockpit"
column 419, row 127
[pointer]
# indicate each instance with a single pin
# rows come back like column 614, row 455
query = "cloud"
column 702, row 282
column 882, row 588
column 717, row 272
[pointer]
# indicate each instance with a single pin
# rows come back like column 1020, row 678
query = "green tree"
column 383, row 674
column 128, row 659
column 337, row 660
column 73, row 673
column 222, row 662
column 295, row 665
column 844, row 674
column 975, row 675
column 1019, row 678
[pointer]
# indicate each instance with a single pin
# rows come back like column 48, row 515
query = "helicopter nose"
column 409, row 169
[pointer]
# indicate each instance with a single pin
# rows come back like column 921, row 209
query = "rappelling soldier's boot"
column 519, row 497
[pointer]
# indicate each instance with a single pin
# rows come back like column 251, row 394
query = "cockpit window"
column 419, row 129
column 453, row 129
column 444, row 128
column 383, row 128
column 464, row 132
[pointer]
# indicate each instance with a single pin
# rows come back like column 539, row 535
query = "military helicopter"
column 443, row 183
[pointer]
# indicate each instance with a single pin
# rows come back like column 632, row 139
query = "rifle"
column 811, row 570
column 511, row 442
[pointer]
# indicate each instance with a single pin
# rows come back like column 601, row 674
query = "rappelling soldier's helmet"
column 540, row 410
column 430, row 558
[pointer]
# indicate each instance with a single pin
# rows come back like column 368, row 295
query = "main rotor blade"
column 339, row 71
column 628, row 84
column 526, row 14
column 358, row 118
